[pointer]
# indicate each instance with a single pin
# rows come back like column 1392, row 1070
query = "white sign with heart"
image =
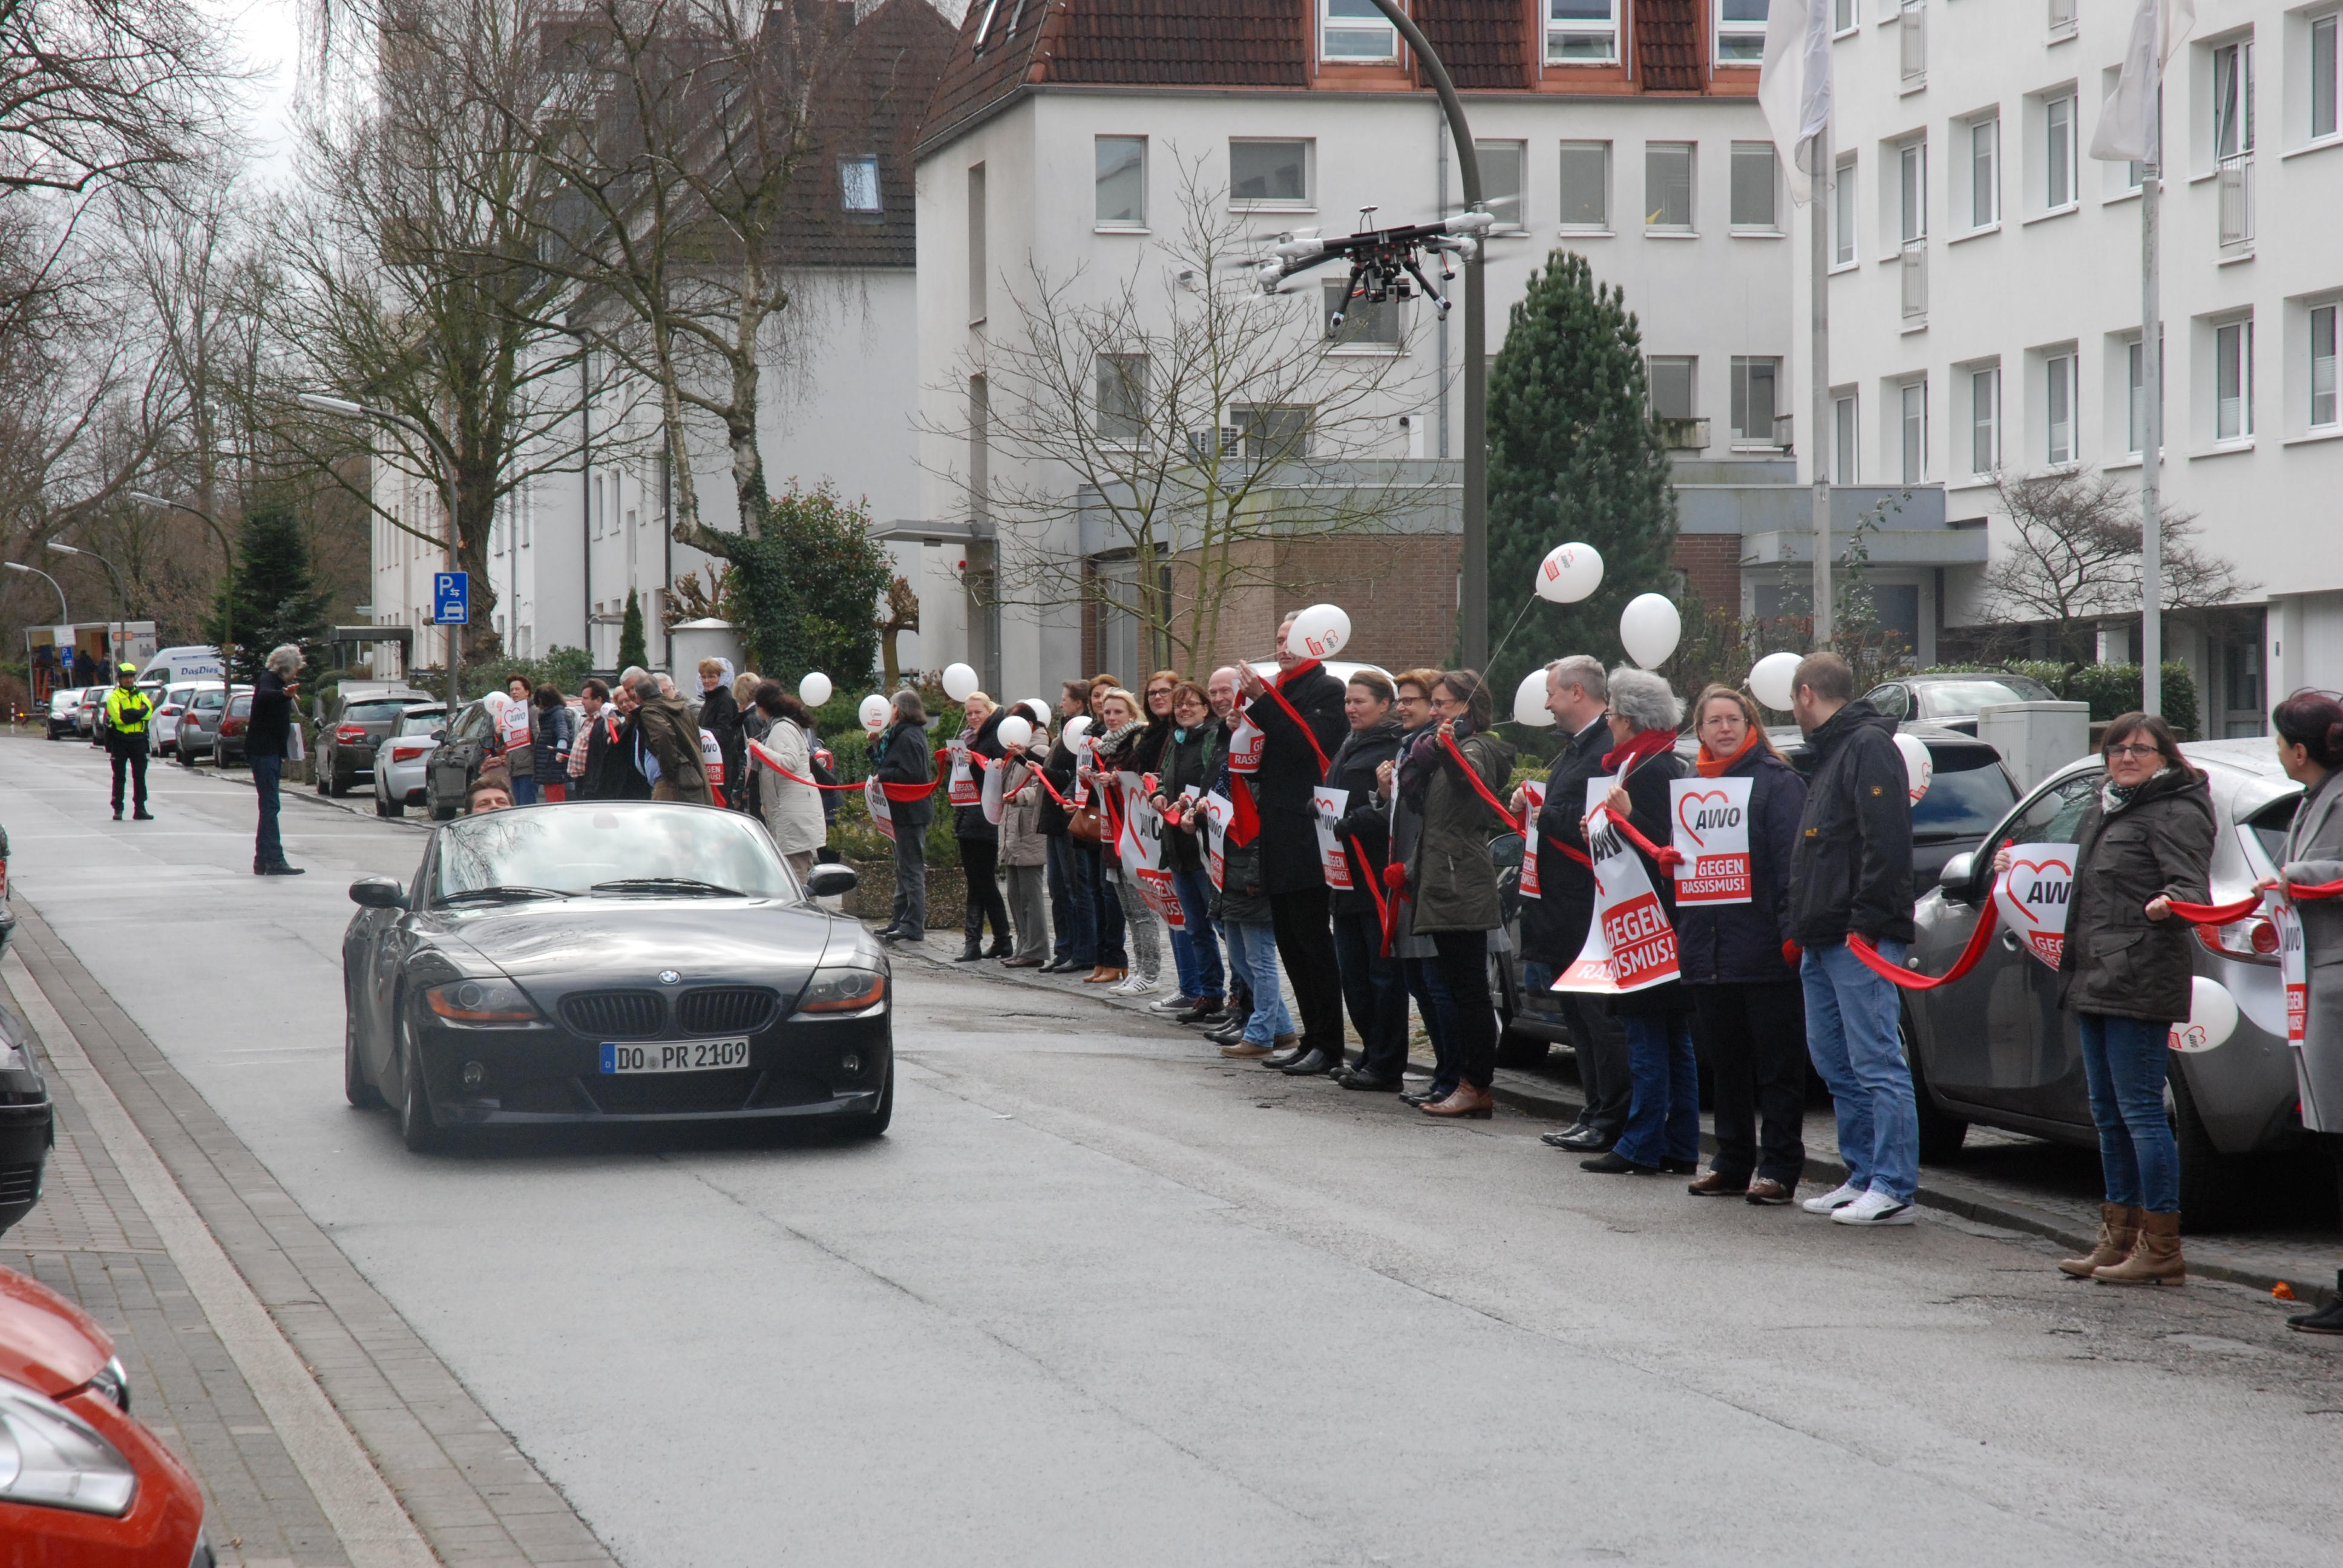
column 2031, row 896
column 1711, row 832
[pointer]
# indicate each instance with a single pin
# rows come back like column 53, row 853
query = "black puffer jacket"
column 969, row 821
column 1364, row 821
column 1554, row 924
column 902, row 759
column 1185, row 762
column 1741, row 944
column 1852, row 870
column 1289, row 770
column 719, row 715
column 2158, row 844
column 1058, row 766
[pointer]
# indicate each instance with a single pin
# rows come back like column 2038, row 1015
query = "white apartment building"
column 1058, row 136
column 1985, row 297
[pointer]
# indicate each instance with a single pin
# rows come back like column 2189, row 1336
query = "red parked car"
column 82, row 1485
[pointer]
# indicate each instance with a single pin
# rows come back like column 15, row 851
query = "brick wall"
column 1400, row 590
column 1711, row 564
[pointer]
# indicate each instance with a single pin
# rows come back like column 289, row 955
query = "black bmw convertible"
column 612, row 961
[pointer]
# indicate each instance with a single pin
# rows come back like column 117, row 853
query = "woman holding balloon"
column 979, row 836
column 791, row 810
column 2144, row 845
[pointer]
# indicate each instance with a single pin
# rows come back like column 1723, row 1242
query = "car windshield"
column 370, row 712
column 421, row 723
column 1950, row 698
column 1966, row 798
column 605, row 851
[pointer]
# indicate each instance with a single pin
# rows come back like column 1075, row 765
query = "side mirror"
column 378, row 893
column 1958, row 875
column 829, row 881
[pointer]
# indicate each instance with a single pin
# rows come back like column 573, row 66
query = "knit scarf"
column 1717, row 767
column 1642, row 743
column 2115, row 797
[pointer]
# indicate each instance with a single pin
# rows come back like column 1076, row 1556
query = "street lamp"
column 120, row 593
column 64, row 614
column 228, row 600
column 323, row 404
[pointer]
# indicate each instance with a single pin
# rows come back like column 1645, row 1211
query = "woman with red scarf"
column 1664, row 1116
column 1741, row 968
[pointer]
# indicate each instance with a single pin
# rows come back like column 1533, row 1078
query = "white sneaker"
column 1875, row 1209
column 1137, row 985
column 1838, row 1197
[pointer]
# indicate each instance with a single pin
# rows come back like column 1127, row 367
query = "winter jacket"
column 1362, row 820
column 669, row 730
column 272, row 716
column 1650, row 808
column 1290, row 769
column 1406, row 831
column 1241, row 898
column 610, row 773
column 756, row 726
column 2159, row 843
column 1451, row 883
column 902, row 758
column 1058, row 766
column 719, row 715
column 2313, row 856
column 1186, row 762
column 1554, row 924
column 1852, row 870
column 791, row 812
column 984, row 740
column 1741, row 944
column 1021, row 843
column 552, row 734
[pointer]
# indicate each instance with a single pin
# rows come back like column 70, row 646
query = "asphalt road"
column 1101, row 1297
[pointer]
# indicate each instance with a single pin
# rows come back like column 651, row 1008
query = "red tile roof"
column 1667, row 46
column 1479, row 41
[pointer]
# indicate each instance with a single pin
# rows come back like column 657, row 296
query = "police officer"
column 127, row 710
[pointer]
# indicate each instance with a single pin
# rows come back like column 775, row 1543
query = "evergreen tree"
column 808, row 590
column 1575, row 455
column 272, row 598
column 633, row 652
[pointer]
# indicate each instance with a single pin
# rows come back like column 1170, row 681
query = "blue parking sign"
column 451, row 598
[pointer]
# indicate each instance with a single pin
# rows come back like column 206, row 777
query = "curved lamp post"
column 120, row 594
column 64, row 614
column 228, row 600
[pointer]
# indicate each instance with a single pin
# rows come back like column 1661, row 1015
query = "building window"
column 1843, row 16
column 1360, row 322
column 1984, row 420
column 1843, row 213
column 1670, row 381
column 1755, row 382
column 858, row 184
column 2323, row 62
column 1501, row 180
column 1912, row 420
column 2323, row 405
column 1985, row 172
column 2062, row 18
column 1581, row 32
column 1740, row 32
column 1587, row 186
column 2058, row 407
column 1911, row 192
column 1913, row 41
column 1668, row 186
column 2135, row 385
column 1121, row 396
column 1752, row 185
column 980, row 272
column 2058, row 153
column 1354, row 32
column 1121, row 175
column 1273, row 431
column 1270, row 174
column 2233, row 381
column 2233, row 100
column 1842, row 439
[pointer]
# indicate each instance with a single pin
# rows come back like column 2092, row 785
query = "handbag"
column 1085, row 824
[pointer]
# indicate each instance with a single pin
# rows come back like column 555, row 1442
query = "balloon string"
column 1509, row 631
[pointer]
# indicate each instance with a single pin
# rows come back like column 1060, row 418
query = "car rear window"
column 242, row 707
column 1940, row 698
column 372, row 712
column 2273, row 822
column 420, row 723
column 1967, row 796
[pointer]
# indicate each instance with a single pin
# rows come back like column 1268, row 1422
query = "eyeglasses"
column 2114, row 751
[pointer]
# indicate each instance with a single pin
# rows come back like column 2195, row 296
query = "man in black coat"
column 1071, row 919
column 1301, row 725
column 1374, row 984
column 1554, row 924
column 1852, row 877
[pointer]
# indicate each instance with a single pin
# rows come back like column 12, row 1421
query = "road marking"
column 372, row 1527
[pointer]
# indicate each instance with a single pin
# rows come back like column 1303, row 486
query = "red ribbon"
column 1375, row 890
column 1863, row 949
column 1520, row 825
column 2216, row 914
column 1669, row 856
column 1307, row 733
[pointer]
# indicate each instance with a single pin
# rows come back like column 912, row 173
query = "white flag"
column 2126, row 130
column 1794, row 85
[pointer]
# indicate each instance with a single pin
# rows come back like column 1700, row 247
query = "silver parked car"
column 64, row 703
column 402, row 756
column 198, row 729
column 1996, row 1047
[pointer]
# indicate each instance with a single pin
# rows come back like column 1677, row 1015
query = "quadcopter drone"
column 1384, row 262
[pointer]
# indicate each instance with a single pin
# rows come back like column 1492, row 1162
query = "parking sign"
column 451, row 598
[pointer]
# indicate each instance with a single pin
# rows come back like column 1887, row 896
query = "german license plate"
column 674, row 1056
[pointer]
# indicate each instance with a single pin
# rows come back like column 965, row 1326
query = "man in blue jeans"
column 1850, row 880
column 267, row 739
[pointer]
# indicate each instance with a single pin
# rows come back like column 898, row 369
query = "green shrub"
column 2111, row 689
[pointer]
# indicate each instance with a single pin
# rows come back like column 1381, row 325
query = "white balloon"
column 1529, row 700
column 1039, row 710
column 1919, row 768
column 1773, row 680
column 1320, row 631
column 2212, row 1017
column 814, row 689
column 960, row 681
column 1569, row 573
column 874, row 712
column 1649, row 627
column 1015, row 731
column 1076, row 728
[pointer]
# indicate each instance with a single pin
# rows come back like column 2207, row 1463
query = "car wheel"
column 875, row 1125
column 1941, row 1133
column 2212, row 1184
column 415, row 1128
column 355, row 1087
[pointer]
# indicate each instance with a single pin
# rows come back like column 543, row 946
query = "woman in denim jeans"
column 1191, row 756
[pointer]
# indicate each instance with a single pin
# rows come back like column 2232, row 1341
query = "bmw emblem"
column 668, row 976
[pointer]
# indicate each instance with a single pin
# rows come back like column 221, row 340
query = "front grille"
column 672, row 1094
column 724, row 1009
column 545, row 1097
column 615, row 1014
column 19, row 1183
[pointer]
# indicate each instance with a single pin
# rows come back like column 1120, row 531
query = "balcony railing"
column 2062, row 18
column 2237, row 188
column 1915, row 271
column 1914, row 31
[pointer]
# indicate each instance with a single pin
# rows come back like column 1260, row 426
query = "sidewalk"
column 2003, row 1178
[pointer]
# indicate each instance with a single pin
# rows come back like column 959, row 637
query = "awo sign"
column 1325, row 810
column 1630, row 945
column 1536, row 790
column 1712, row 833
column 2032, row 897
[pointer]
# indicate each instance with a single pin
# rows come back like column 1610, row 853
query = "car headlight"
column 114, row 1384
column 12, row 1056
column 843, row 990
column 51, row 1458
column 482, row 1001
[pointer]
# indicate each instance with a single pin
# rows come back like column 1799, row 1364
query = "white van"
column 173, row 665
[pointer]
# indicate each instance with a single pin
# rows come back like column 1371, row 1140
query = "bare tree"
column 1204, row 425
column 105, row 92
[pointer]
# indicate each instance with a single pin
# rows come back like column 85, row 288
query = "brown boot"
column 2154, row 1259
column 2119, row 1228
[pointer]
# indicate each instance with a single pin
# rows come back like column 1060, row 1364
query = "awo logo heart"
column 2189, row 1039
column 1690, row 812
column 2039, row 889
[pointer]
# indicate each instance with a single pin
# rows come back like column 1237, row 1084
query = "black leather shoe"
column 973, row 950
column 1208, row 1011
column 1591, row 1141
column 1001, row 948
column 1228, row 1033
column 141, row 814
column 1680, row 1167
column 2327, row 1320
column 1425, row 1096
column 890, row 936
column 1313, row 1063
column 118, row 813
column 1278, row 1061
column 1358, row 1078
column 279, row 869
column 1561, row 1138
column 1617, row 1164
